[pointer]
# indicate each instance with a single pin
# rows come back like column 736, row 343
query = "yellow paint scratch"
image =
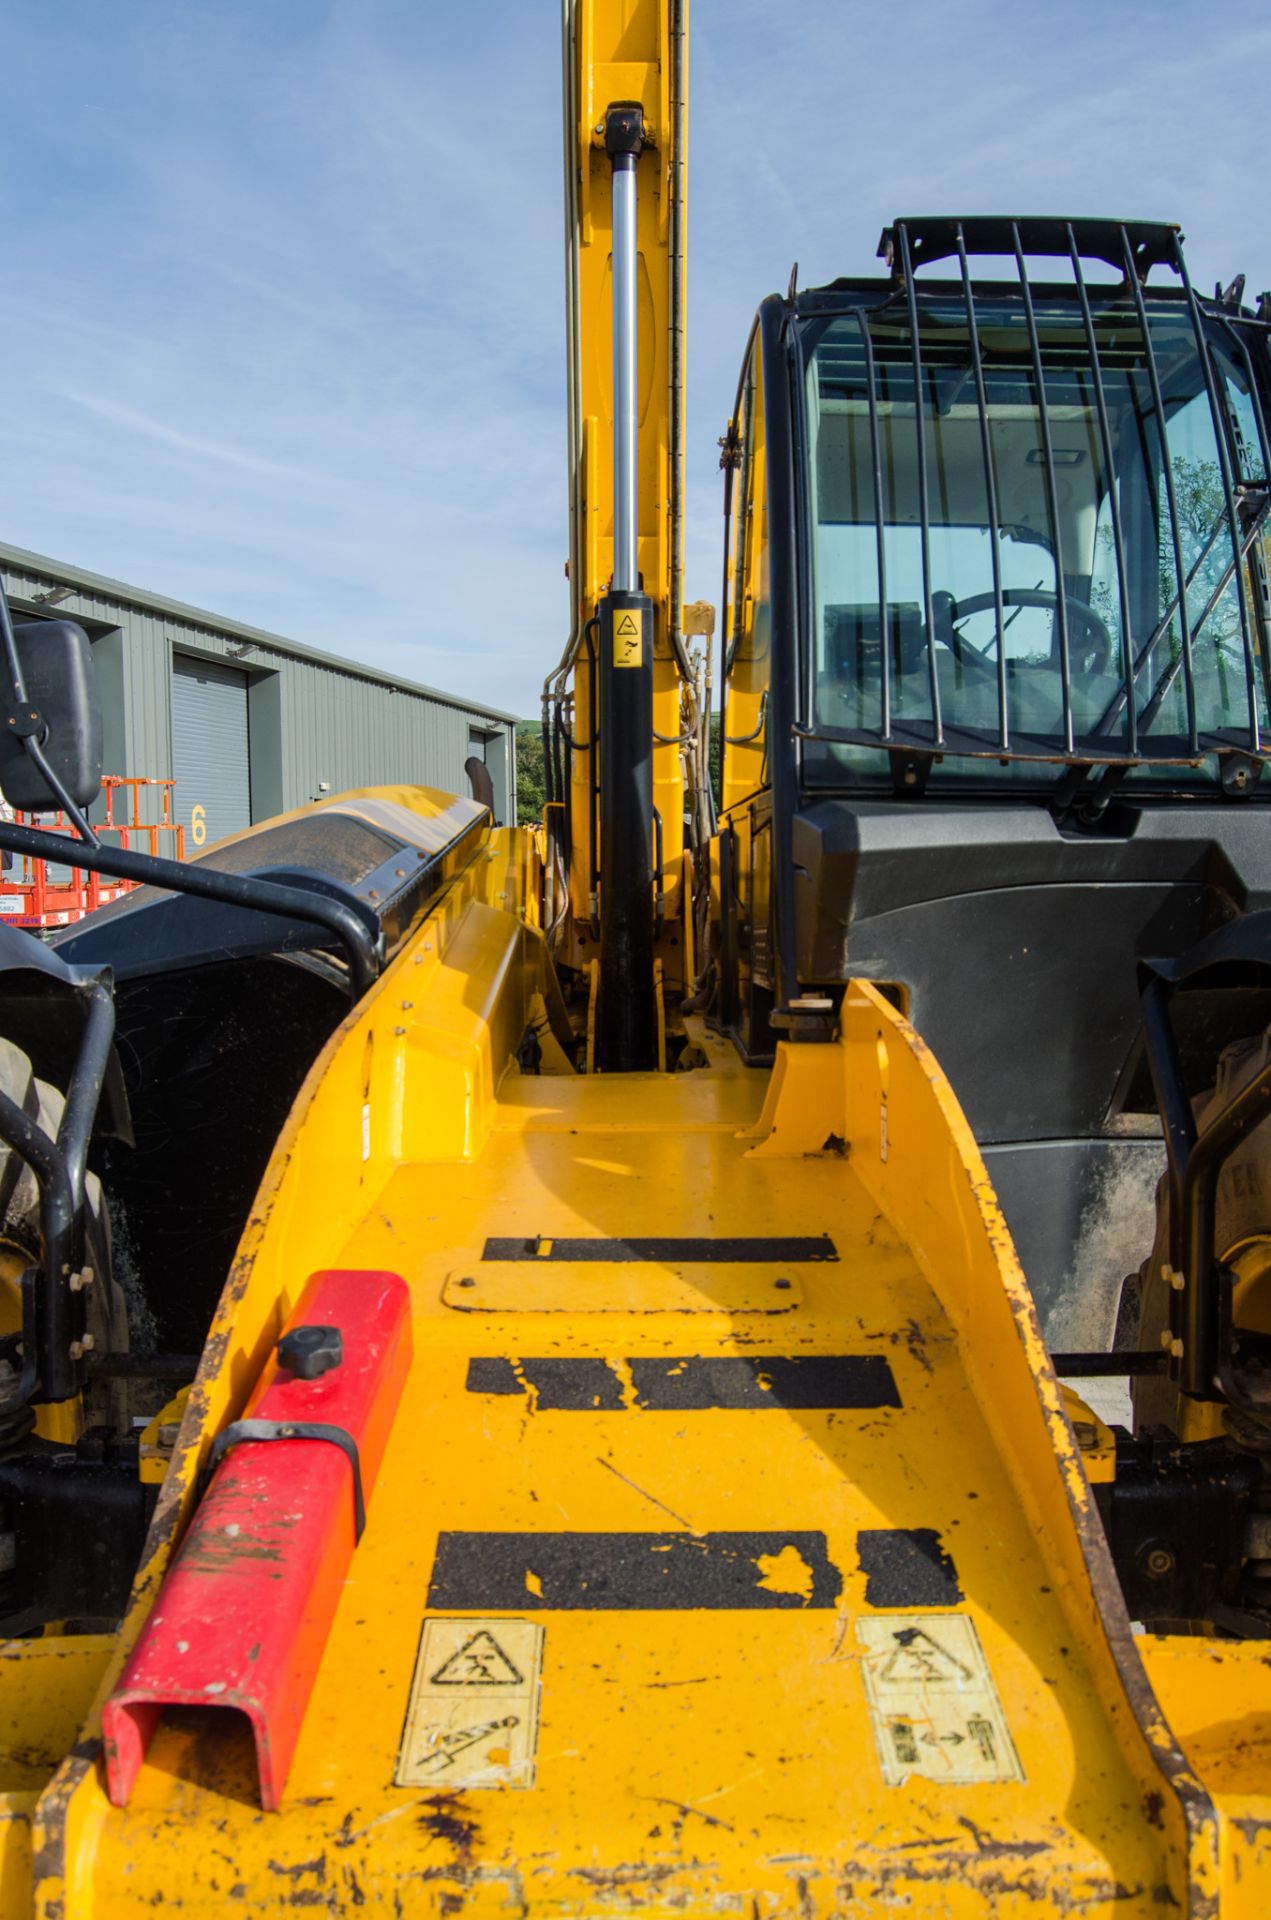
column 527, row 1386
column 626, row 1383
column 785, row 1572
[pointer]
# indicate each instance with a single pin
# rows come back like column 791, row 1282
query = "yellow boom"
column 633, row 52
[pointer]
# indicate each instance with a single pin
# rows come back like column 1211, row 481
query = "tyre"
column 105, row 1312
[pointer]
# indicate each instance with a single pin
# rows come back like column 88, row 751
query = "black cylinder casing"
column 626, row 1015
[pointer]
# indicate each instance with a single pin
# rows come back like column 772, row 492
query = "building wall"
column 316, row 723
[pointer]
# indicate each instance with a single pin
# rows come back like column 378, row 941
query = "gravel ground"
column 1110, row 1399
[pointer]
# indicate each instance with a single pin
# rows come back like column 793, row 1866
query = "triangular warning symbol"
column 628, row 628
column 920, row 1659
column 479, row 1662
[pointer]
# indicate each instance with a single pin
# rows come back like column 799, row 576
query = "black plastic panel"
column 57, row 665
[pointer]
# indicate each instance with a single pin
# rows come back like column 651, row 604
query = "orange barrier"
column 31, row 896
column 132, row 824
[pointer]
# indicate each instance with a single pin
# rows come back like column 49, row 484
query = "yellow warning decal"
column 932, row 1700
column 628, row 637
column 473, row 1716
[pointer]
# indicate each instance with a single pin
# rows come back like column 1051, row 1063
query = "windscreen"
column 1039, row 537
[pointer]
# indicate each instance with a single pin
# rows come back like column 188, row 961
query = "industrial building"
column 246, row 723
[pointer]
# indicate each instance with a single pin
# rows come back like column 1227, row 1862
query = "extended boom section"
column 624, row 712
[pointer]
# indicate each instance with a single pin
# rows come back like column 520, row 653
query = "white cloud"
column 138, row 423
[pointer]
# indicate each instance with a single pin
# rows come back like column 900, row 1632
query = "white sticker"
column 473, row 1717
column 932, row 1700
column 366, row 1130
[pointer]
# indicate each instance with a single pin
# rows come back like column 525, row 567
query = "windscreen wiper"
column 1067, row 790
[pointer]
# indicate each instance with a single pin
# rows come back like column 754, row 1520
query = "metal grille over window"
column 1039, row 509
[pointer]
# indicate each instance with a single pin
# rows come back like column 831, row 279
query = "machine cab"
column 995, row 703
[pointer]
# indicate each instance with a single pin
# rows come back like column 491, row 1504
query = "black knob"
column 309, row 1352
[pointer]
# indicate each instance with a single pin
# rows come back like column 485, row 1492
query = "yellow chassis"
column 675, row 1759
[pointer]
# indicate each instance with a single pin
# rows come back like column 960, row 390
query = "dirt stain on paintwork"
column 448, row 1819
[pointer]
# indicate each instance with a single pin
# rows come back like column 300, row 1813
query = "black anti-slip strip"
column 907, row 1567
column 693, row 1384
column 738, row 1248
column 633, row 1572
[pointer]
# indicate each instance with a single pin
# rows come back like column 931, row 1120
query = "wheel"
column 105, row 1312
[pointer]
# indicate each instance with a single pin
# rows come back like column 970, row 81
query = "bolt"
column 782, row 1286
column 467, row 1281
column 400, row 872
column 1176, row 1349
column 77, row 1349
column 407, row 1005
column 399, row 1031
column 1157, row 1562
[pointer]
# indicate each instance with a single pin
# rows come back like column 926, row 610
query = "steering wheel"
column 1094, row 657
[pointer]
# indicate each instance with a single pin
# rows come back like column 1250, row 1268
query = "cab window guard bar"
column 1132, row 249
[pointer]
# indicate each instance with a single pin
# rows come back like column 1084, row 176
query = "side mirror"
column 57, row 667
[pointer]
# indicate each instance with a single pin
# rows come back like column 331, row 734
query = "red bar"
column 242, row 1618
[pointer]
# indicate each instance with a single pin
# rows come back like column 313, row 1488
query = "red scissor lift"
column 31, row 896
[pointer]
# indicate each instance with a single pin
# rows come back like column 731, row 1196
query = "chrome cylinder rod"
column 624, row 140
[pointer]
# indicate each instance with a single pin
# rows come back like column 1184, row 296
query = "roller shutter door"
column 209, row 750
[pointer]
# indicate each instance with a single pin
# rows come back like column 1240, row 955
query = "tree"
column 1205, row 553
column 529, row 772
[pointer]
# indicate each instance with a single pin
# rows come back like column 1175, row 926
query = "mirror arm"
column 35, row 752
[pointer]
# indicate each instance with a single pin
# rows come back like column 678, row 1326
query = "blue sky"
column 283, row 316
